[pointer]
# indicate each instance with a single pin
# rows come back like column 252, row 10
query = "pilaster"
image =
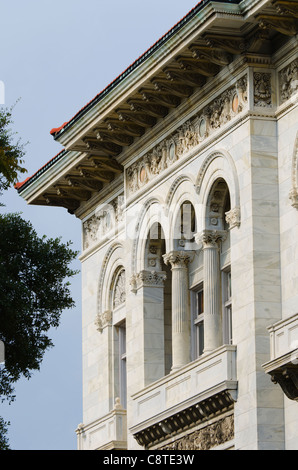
column 148, row 287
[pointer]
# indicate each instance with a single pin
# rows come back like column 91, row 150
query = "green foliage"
column 11, row 153
column 34, row 293
column 4, row 445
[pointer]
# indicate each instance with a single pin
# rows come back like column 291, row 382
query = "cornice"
column 215, row 41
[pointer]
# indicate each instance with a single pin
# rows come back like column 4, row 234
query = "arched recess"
column 294, row 176
column 181, row 204
column 112, row 263
column 188, row 183
column 218, row 166
column 150, row 216
column 155, row 284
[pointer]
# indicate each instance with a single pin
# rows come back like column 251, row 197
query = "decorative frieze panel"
column 219, row 432
column 206, row 438
column 288, row 81
column 262, row 89
column 187, row 137
column 106, row 218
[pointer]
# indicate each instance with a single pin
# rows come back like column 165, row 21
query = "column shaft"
column 212, row 289
column 180, row 307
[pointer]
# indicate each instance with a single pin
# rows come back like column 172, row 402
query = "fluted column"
column 179, row 260
column 210, row 240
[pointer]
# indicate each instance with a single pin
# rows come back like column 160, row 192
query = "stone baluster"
column 179, row 260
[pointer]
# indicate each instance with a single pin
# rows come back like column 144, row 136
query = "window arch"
column 212, row 297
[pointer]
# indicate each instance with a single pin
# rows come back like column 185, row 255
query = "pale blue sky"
column 56, row 56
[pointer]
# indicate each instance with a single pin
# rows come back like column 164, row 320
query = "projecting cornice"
column 211, row 37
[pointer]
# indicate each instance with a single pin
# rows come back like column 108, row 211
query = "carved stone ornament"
column 294, row 197
column 287, row 378
column 233, row 217
column 105, row 219
column 206, row 438
column 147, row 279
column 187, row 137
column 103, row 319
column 211, row 238
column 209, row 436
column 178, row 259
column 262, row 89
column 119, row 290
column 288, row 81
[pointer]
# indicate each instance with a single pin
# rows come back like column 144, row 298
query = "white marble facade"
column 189, row 260
column 251, row 157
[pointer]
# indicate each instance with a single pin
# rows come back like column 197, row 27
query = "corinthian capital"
column 178, row 259
column 147, row 279
column 233, row 217
column 211, row 238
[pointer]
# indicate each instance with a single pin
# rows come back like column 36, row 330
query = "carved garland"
column 190, row 135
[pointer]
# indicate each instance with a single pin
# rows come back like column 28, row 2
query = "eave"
column 191, row 54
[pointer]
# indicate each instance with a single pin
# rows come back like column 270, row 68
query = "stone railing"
column 185, row 397
column 108, row 432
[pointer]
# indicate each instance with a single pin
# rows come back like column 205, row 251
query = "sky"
column 55, row 57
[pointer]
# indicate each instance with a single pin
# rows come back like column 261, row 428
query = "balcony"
column 106, row 433
column 183, row 399
column 283, row 364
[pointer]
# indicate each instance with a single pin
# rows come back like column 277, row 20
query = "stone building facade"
column 184, row 173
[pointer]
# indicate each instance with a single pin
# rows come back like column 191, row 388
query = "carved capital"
column 211, row 238
column 178, row 259
column 103, row 319
column 233, row 217
column 147, row 279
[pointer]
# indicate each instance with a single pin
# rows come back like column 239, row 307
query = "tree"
column 11, row 153
column 4, row 444
column 34, row 279
column 33, row 293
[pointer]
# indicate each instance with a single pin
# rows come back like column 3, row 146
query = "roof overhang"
column 192, row 53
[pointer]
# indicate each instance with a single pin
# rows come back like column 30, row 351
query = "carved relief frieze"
column 188, row 136
column 206, row 438
column 288, row 81
column 106, row 218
